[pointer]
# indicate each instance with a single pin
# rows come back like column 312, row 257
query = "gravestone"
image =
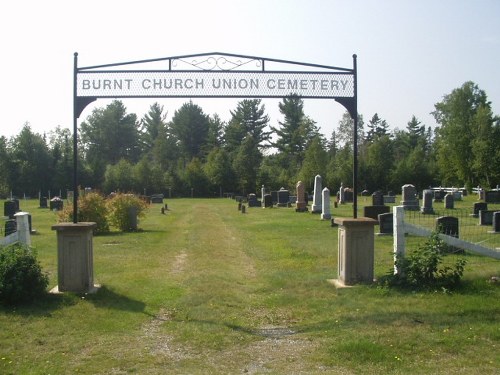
column 386, row 222
column 348, row 194
column 427, row 202
column 243, row 209
column 157, row 198
column 449, row 201
column 325, row 205
column 10, row 227
column 439, row 195
column 373, row 211
column 9, row 209
column 262, row 195
column 283, row 197
column 479, row 206
column 377, row 199
column 447, row 225
column 486, row 217
column 496, row 222
column 389, row 199
column 268, row 201
column 252, row 200
column 341, row 194
column 274, row 197
column 409, row 197
column 316, row 206
column 43, row 202
column 56, row 204
column 492, row 196
column 301, row 205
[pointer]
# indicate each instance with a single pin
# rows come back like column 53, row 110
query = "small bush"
column 91, row 208
column 123, row 210
column 21, row 277
column 422, row 268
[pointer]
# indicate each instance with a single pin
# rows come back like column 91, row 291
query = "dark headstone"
column 439, row 195
column 373, row 211
column 56, row 204
column 239, row 206
column 485, row 217
column 10, row 227
column 348, row 195
column 479, row 206
column 283, row 198
column 492, row 196
column 389, row 199
column 157, row 198
column 449, row 201
column 385, row 222
column 243, row 209
column 253, row 201
column 43, row 202
column 274, row 197
column 496, row 222
column 447, row 225
column 9, row 209
column 427, row 205
column 377, row 199
column 268, row 201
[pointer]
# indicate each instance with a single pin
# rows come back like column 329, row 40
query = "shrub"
column 123, row 209
column 422, row 269
column 21, row 277
column 91, row 208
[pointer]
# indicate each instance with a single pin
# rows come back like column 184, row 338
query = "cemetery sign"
column 215, row 75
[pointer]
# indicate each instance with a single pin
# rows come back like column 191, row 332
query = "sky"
column 410, row 53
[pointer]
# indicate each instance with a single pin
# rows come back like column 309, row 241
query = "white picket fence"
column 22, row 234
column 400, row 228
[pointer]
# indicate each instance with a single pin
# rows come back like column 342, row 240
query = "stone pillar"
column 356, row 248
column 23, row 227
column 496, row 222
column 316, row 206
column 426, row 208
column 399, row 234
column 263, row 195
column 75, row 268
column 300, row 205
column 325, row 209
column 341, row 194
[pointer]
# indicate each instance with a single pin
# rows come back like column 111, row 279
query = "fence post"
column 399, row 233
column 23, row 228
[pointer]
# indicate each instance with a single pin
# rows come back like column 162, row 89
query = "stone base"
column 426, row 211
column 326, row 216
column 92, row 290
column 338, row 283
column 303, row 209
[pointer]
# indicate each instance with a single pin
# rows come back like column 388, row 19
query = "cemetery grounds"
column 205, row 289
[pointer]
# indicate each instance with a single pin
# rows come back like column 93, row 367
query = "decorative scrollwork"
column 216, row 63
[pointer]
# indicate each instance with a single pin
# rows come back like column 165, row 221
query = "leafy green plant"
column 21, row 277
column 423, row 269
column 91, row 208
column 123, row 209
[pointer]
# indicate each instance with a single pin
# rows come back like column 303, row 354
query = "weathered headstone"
column 409, row 197
column 317, row 199
column 252, row 200
column 348, row 194
column 377, row 199
column 479, row 206
column 486, row 217
column 157, row 198
column 427, row 202
column 262, row 196
column 447, row 225
column 386, row 222
column 301, row 205
column 325, row 205
column 56, row 204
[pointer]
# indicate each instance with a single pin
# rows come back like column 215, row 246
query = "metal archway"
column 213, row 75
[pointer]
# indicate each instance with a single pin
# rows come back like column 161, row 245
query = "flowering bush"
column 91, row 208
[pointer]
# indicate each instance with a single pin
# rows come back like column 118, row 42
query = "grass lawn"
column 205, row 289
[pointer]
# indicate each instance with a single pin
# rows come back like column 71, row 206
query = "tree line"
column 195, row 154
